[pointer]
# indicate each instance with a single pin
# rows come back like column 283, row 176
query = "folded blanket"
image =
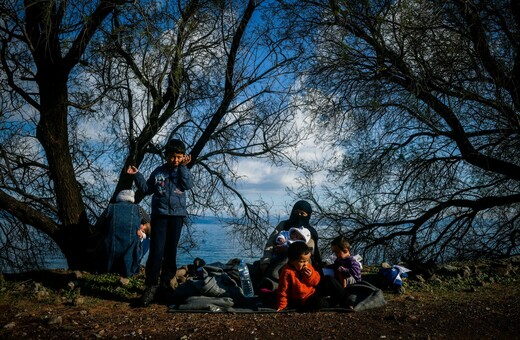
column 214, row 304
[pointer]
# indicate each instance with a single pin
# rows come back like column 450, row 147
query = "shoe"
column 148, row 296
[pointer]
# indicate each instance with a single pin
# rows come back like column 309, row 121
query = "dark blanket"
column 214, row 290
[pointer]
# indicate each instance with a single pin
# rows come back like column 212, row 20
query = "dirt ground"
column 486, row 309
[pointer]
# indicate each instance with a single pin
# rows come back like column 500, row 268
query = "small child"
column 298, row 280
column 301, row 286
column 286, row 237
column 144, row 231
column 346, row 268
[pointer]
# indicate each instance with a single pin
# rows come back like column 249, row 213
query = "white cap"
column 304, row 232
column 126, row 196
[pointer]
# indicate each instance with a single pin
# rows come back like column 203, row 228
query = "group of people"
column 291, row 265
column 120, row 224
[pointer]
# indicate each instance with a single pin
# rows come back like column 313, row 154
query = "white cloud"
column 262, row 180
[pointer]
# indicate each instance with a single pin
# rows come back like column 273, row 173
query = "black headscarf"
column 303, row 221
column 299, row 221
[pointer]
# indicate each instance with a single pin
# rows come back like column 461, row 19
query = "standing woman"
column 168, row 183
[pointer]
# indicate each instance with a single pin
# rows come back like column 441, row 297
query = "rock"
column 400, row 290
column 57, row 320
column 449, row 270
column 10, row 325
column 503, row 269
column 515, row 260
column 42, row 295
column 420, row 278
column 436, row 281
column 465, row 272
column 78, row 300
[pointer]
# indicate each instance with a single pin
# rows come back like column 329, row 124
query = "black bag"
column 363, row 295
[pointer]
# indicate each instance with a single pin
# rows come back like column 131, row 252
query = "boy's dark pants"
column 329, row 293
column 166, row 233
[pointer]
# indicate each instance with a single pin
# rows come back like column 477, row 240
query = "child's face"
column 301, row 262
column 340, row 253
column 296, row 236
column 175, row 159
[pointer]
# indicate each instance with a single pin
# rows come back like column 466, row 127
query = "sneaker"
column 148, row 296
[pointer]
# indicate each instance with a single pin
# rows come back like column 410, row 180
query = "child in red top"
column 299, row 285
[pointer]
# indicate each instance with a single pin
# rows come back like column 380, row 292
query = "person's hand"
column 186, row 160
column 132, row 170
column 307, row 271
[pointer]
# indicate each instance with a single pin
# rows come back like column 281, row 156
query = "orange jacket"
column 296, row 287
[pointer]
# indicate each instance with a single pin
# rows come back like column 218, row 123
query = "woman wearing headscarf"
column 275, row 256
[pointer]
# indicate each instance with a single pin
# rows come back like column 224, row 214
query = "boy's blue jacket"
column 168, row 186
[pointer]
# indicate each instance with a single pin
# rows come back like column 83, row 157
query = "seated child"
column 286, row 237
column 144, row 231
column 301, row 286
column 346, row 268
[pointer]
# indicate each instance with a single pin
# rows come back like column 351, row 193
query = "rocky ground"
column 456, row 301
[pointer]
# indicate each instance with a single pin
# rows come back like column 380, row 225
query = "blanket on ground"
column 216, row 288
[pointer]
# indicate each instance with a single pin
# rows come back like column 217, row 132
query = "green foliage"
column 111, row 286
column 70, row 288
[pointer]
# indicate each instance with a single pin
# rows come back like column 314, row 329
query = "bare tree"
column 143, row 72
column 217, row 79
column 423, row 100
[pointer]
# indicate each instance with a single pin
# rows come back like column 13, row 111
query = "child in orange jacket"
column 299, row 285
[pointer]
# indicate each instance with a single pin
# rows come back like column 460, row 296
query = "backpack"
column 363, row 295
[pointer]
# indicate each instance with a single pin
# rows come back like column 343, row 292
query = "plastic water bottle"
column 245, row 279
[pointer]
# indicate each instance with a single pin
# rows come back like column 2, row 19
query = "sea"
column 214, row 241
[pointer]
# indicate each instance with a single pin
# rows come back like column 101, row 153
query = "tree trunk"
column 52, row 132
column 43, row 25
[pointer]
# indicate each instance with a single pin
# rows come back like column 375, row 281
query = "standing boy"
column 168, row 183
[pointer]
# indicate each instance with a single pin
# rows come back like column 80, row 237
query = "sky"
column 270, row 182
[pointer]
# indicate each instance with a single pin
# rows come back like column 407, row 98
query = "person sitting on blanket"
column 284, row 239
column 267, row 269
column 302, row 287
column 347, row 269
